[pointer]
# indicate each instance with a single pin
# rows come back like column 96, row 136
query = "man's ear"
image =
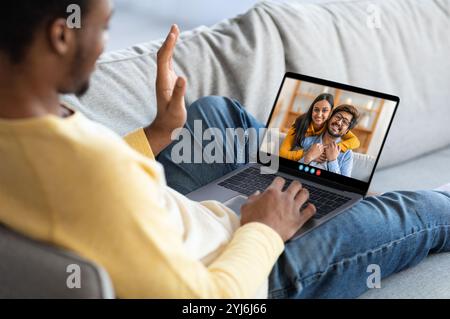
column 62, row 38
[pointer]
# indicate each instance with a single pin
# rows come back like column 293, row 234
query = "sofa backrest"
column 29, row 269
column 399, row 47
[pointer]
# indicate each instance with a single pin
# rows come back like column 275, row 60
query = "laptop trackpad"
column 236, row 202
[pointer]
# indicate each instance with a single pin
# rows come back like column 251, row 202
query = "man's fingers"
column 254, row 196
column 294, row 188
column 166, row 51
column 277, row 183
column 307, row 213
column 301, row 198
column 175, row 29
column 164, row 76
column 165, row 54
column 178, row 94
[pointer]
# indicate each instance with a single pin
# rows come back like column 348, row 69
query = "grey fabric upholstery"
column 428, row 280
column 29, row 269
column 424, row 172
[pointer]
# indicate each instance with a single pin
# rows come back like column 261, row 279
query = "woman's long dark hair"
column 303, row 122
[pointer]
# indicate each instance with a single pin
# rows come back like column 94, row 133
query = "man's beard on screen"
column 332, row 134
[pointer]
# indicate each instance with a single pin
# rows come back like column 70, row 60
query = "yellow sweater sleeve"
column 127, row 229
column 286, row 146
column 349, row 142
column 113, row 207
column 138, row 140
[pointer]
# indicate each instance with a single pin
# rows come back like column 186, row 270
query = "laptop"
column 332, row 191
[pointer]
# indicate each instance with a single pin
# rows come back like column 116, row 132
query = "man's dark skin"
column 61, row 60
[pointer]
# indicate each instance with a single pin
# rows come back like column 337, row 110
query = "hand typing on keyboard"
column 280, row 209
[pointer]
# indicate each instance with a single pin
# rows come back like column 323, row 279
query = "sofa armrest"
column 30, row 269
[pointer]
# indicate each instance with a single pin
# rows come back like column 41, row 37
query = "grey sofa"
column 246, row 58
column 35, row 270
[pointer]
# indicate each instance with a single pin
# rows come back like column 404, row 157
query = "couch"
column 399, row 47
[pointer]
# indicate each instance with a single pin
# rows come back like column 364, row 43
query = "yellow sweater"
column 75, row 184
column 349, row 142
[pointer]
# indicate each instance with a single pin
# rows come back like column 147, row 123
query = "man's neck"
column 327, row 138
column 24, row 95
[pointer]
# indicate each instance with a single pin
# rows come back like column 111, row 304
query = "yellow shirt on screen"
column 349, row 142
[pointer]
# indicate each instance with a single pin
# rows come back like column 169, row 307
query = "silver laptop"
column 333, row 187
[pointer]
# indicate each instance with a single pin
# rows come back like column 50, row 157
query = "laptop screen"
column 328, row 130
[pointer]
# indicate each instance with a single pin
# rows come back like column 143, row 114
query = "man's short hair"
column 20, row 19
column 349, row 109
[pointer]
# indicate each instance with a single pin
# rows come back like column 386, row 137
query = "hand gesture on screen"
column 332, row 150
column 314, row 153
column 322, row 158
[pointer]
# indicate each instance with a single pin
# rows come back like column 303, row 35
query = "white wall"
column 380, row 131
column 283, row 100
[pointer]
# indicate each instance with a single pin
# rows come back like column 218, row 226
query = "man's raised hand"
column 170, row 92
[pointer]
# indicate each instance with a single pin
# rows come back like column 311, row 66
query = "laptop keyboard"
column 251, row 180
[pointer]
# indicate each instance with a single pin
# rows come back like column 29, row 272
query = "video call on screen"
column 329, row 129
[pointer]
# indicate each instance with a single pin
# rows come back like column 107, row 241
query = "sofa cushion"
column 428, row 280
column 29, row 269
column 246, row 57
column 426, row 172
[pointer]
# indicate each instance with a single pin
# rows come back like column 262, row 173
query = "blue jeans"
column 394, row 231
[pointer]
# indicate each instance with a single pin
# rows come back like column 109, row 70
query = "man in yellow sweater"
column 67, row 181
